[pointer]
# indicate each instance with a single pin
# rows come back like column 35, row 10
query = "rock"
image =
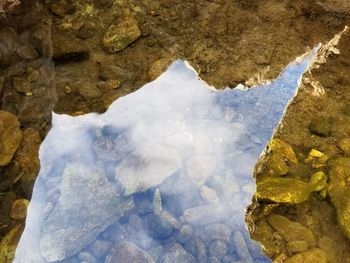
column 86, row 31
column 310, row 256
column 320, row 126
column 218, row 231
column 347, row 109
column 158, row 227
column 284, row 149
column 108, row 85
column 340, row 198
column 9, row 243
column 88, row 91
column 176, row 253
column 27, row 52
column 241, row 248
column 147, row 167
column 344, row 145
column 290, row 230
column 289, row 190
column 86, row 256
column 185, row 233
column 207, row 214
column 100, row 248
column 127, row 252
column 121, row 35
column 21, row 84
column 98, row 204
column 19, row 209
column 10, row 136
column 200, row 167
column 277, row 165
column 157, row 202
column 66, row 50
column 297, row 246
column 218, row 249
column 209, row 195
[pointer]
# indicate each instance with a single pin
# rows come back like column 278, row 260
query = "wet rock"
column 277, row 165
column 320, row 126
column 88, row 91
column 108, row 85
column 100, row 248
column 310, row 256
column 289, row 190
column 99, row 206
column 129, row 253
column 218, row 249
column 339, row 172
column 200, row 167
column 340, row 198
column 157, row 202
column 19, row 209
column 290, row 230
column 176, row 253
column 158, row 227
column 344, row 145
column 86, row 256
column 27, row 52
column 147, row 167
column 297, row 246
column 241, row 248
column 10, row 136
column 9, row 243
column 121, row 35
column 209, row 195
column 284, row 149
column 86, row 31
column 185, row 233
column 206, row 214
column 21, row 84
column 218, row 232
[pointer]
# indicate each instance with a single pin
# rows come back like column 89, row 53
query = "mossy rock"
column 10, row 136
column 121, row 35
column 320, row 126
column 9, row 243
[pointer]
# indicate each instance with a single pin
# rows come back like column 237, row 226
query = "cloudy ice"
column 165, row 175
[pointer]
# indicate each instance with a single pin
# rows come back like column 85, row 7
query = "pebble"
column 157, row 202
column 158, row 227
column 127, row 252
column 218, row 249
column 176, row 253
column 19, row 209
column 241, row 247
column 87, row 257
column 218, row 231
column 209, row 195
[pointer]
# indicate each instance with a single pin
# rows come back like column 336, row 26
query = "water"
column 165, row 175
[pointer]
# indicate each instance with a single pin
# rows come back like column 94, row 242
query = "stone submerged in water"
column 121, row 35
column 87, row 190
column 127, row 252
column 147, row 167
column 176, row 253
column 289, row 190
column 10, row 136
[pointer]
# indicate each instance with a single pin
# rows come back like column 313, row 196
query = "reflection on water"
column 164, row 175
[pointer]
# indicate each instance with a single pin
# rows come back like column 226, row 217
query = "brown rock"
column 121, row 35
column 290, row 230
column 10, row 136
column 9, row 243
column 19, row 209
column 344, row 145
column 310, row 256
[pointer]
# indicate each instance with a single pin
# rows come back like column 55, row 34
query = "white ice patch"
column 165, row 173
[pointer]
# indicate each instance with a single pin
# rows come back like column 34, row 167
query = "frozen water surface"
column 164, row 175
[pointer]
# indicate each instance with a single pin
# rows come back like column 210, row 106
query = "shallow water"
column 164, row 175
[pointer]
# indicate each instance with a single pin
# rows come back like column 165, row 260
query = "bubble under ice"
column 164, row 175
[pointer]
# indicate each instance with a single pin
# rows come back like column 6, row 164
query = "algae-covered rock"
column 277, row 165
column 339, row 172
column 344, row 145
column 121, row 35
column 19, row 209
column 290, row 230
column 9, row 243
column 320, row 126
column 10, row 136
column 340, row 198
column 283, row 148
column 311, row 256
column 289, row 190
